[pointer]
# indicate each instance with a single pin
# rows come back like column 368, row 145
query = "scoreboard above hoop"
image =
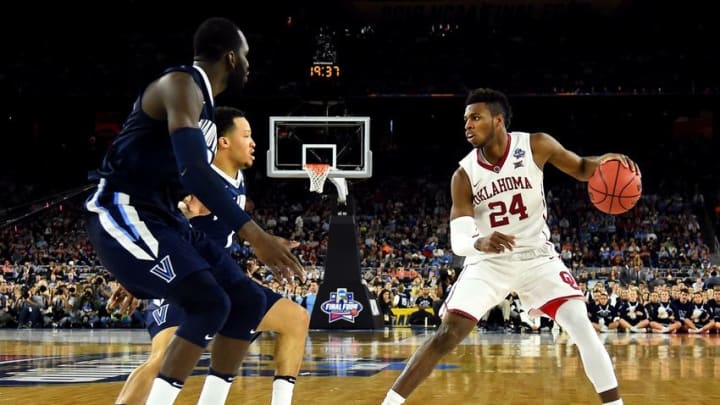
column 325, row 71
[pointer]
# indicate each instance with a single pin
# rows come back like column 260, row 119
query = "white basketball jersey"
column 508, row 197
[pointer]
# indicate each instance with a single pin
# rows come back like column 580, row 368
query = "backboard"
column 342, row 142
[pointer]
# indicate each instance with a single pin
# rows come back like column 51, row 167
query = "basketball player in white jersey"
column 497, row 222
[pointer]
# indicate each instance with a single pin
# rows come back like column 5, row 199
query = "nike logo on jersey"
column 176, row 384
column 208, row 337
column 252, row 331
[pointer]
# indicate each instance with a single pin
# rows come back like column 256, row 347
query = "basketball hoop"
column 317, row 172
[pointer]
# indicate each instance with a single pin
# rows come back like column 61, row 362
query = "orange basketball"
column 613, row 188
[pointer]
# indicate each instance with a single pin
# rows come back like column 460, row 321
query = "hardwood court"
column 88, row 367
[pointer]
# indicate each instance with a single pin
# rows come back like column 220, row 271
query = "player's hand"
column 275, row 253
column 122, row 299
column 495, row 243
column 624, row 159
column 192, row 207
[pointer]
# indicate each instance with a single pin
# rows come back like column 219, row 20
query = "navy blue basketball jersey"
column 141, row 162
column 218, row 231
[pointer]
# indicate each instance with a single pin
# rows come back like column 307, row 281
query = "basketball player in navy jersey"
column 497, row 222
column 283, row 316
column 163, row 154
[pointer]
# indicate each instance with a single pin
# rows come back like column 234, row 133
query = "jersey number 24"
column 500, row 214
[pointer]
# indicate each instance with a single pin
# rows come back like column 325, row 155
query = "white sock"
column 393, row 398
column 616, row 402
column 283, row 391
column 215, row 390
column 163, row 392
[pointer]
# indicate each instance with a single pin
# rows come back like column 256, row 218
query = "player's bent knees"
column 206, row 306
column 287, row 318
column 300, row 319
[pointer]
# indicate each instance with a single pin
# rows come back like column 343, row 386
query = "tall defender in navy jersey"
column 161, row 156
column 498, row 222
column 281, row 315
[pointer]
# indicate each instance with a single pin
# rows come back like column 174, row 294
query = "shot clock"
column 324, row 80
column 329, row 71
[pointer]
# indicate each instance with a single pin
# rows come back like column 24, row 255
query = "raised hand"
column 275, row 253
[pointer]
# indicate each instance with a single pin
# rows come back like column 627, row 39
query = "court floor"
column 89, row 366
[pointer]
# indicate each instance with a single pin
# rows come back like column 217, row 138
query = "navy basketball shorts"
column 161, row 315
column 150, row 251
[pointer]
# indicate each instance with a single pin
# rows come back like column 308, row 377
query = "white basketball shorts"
column 482, row 285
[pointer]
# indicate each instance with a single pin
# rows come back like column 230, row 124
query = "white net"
column 318, row 173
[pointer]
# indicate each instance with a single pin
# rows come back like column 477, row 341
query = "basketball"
column 614, row 188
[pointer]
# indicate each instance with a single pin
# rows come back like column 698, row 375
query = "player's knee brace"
column 206, row 307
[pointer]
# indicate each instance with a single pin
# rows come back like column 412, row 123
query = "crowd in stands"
column 51, row 277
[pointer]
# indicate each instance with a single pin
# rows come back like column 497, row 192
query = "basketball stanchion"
column 335, row 149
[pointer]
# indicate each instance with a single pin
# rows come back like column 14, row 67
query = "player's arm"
column 464, row 235
column 182, row 100
column 547, row 149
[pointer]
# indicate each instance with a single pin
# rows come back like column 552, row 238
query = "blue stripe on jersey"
column 123, row 213
column 111, row 226
column 93, row 206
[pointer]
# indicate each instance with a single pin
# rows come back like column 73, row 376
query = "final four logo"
column 341, row 306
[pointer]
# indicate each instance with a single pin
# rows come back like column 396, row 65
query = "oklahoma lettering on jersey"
column 508, row 197
column 501, row 186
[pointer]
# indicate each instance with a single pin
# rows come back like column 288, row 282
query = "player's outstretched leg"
column 572, row 315
column 453, row 329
